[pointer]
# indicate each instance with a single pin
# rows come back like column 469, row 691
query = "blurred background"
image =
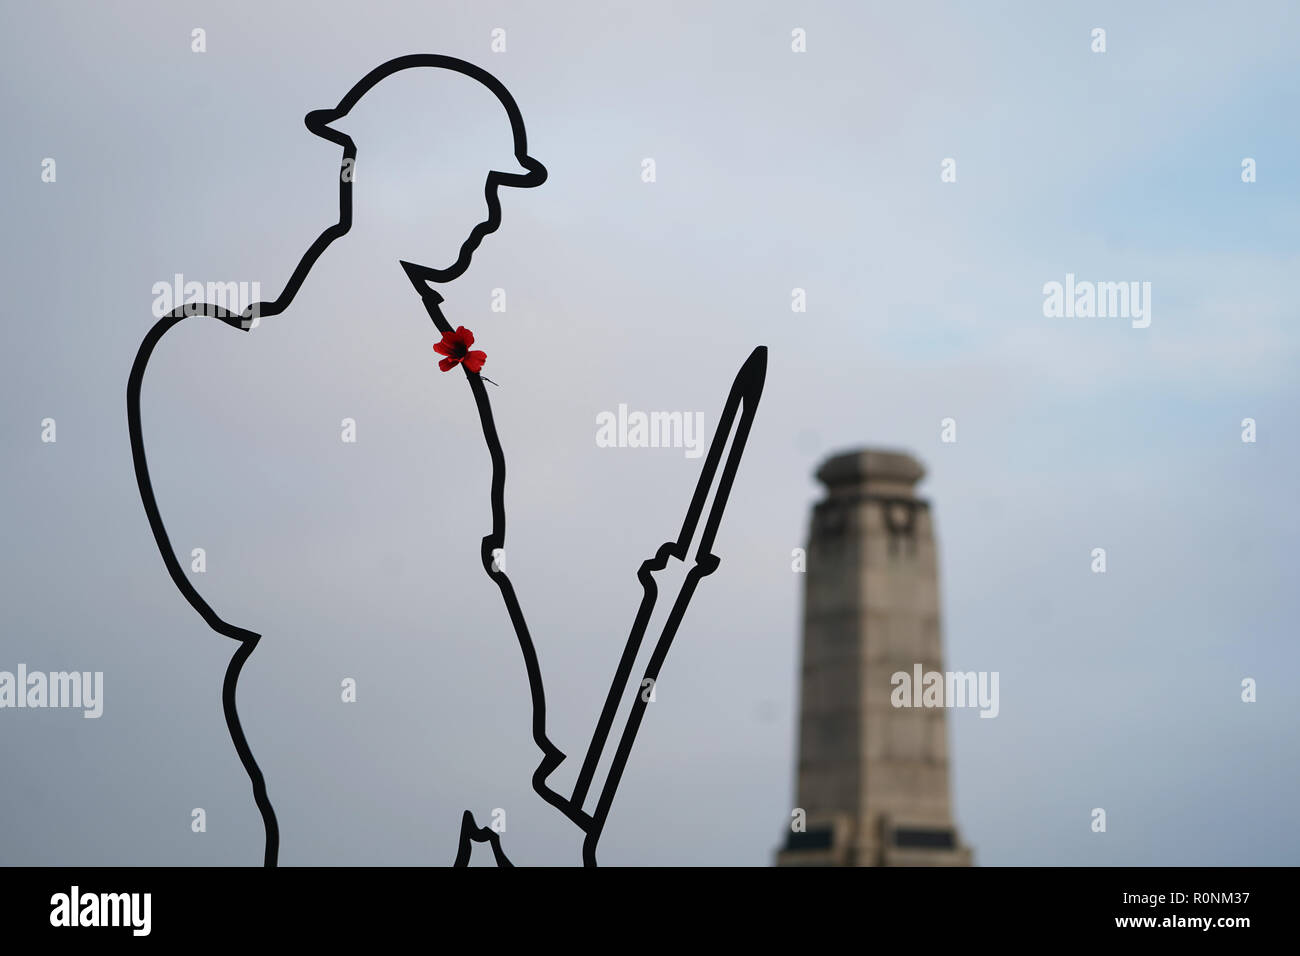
column 775, row 170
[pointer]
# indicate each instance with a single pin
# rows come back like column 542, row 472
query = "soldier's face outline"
column 534, row 173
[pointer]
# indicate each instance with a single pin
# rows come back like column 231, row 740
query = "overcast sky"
column 775, row 170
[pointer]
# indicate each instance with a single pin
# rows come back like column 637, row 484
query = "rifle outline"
column 746, row 390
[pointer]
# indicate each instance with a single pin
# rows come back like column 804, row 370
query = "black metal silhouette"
column 734, row 424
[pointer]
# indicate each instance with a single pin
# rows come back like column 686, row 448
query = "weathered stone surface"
column 872, row 778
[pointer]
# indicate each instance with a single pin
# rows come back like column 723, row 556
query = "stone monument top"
column 871, row 471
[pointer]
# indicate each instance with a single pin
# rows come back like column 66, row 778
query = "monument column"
column 872, row 778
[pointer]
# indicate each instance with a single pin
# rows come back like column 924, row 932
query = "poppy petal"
column 474, row 361
column 448, row 364
column 442, row 348
column 465, row 335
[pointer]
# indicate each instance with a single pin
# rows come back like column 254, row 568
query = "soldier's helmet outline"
column 326, row 123
column 322, row 123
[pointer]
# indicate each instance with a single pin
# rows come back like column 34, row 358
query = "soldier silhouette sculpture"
column 587, row 806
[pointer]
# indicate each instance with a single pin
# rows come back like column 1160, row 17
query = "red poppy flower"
column 455, row 345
